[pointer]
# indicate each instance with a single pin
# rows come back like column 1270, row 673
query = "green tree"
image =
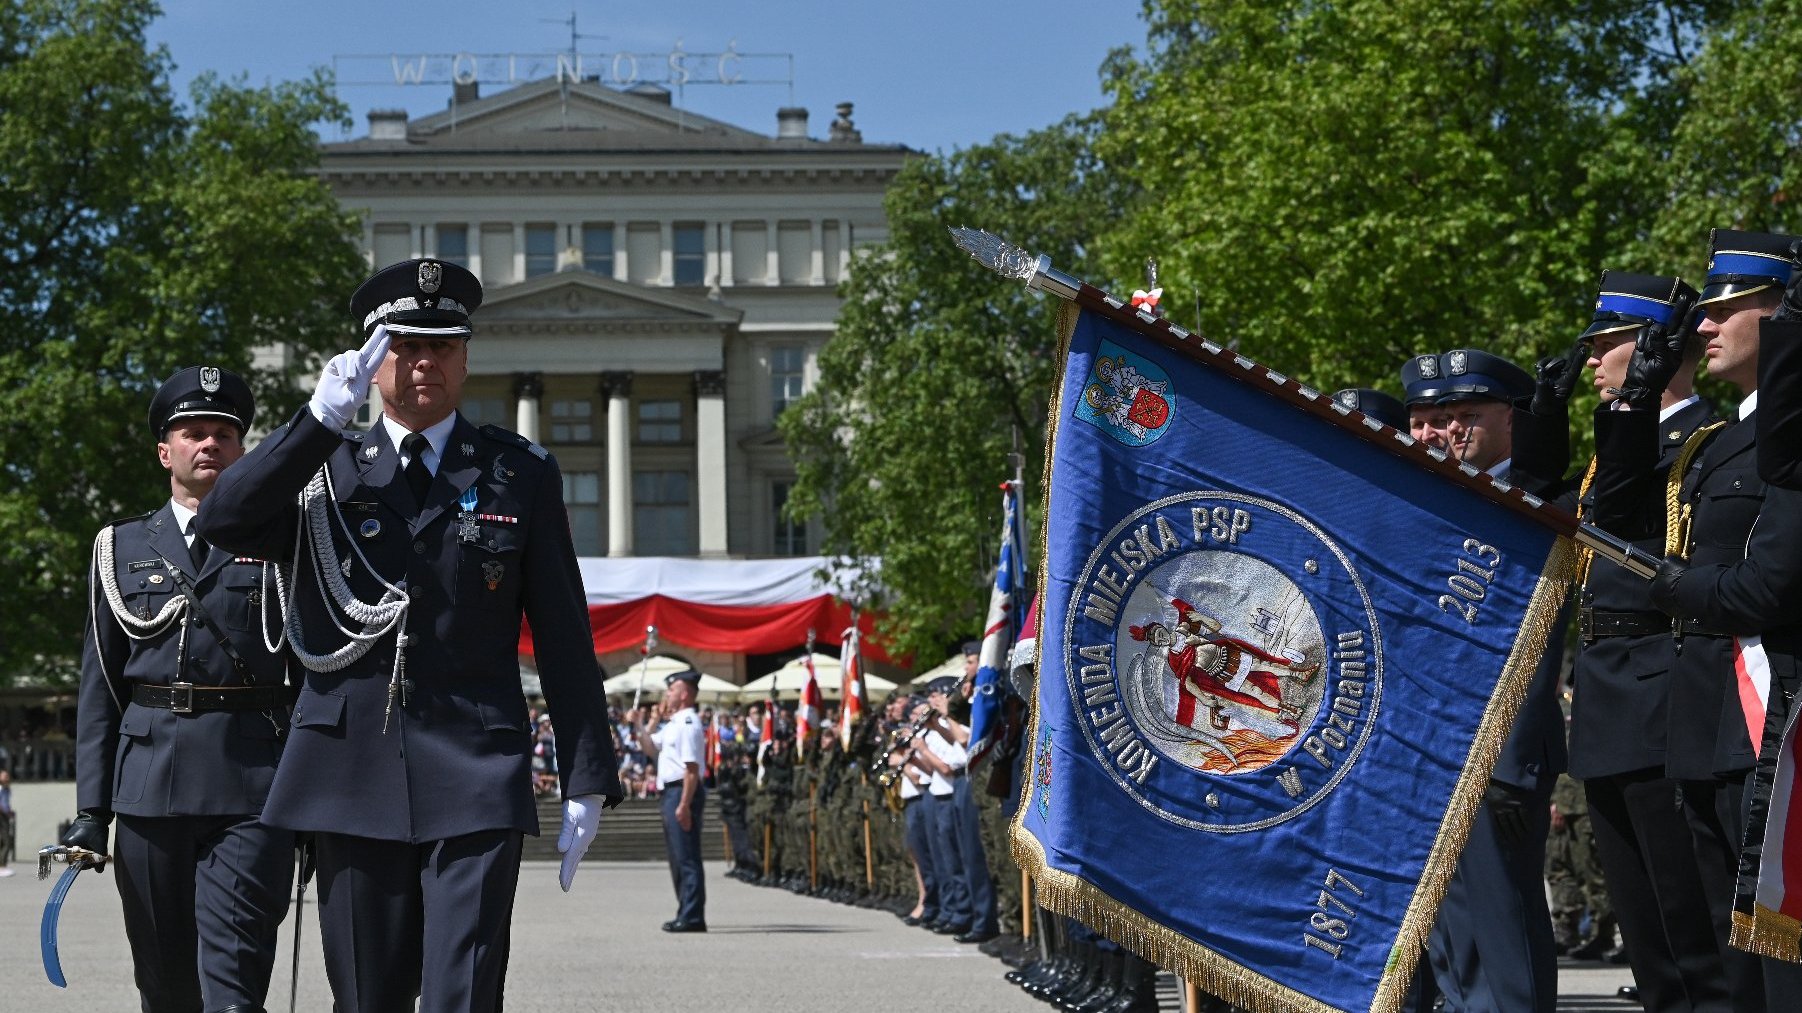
column 136, row 237
column 1342, row 185
column 937, row 363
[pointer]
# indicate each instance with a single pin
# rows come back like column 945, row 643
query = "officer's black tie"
column 197, row 549
column 419, row 477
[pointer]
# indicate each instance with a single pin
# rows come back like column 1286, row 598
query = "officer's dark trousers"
column 977, row 882
column 394, row 915
column 919, row 845
column 1649, row 864
column 1491, row 949
column 948, row 861
column 684, row 850
column 203, row 896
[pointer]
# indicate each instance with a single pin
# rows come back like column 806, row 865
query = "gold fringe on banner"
column 1767, row 933
column 1070, row 895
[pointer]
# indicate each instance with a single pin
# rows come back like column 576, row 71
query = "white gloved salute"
column 344, row 383
column 581, row 818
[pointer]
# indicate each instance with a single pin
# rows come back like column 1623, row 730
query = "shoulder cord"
column 318, row 507
column 1677, row 513
column 134, row 627
column 1585, row 554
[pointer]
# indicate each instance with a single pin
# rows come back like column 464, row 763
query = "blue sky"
column 930, row 74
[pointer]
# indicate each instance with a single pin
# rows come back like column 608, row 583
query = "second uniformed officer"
column 182, row 708
column 421, row 546
column 677, row 748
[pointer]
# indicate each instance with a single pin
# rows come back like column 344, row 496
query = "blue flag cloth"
column 1000, row 630
column 1277, row 661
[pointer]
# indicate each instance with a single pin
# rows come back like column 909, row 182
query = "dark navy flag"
column 1276, row 664
column 1000, row 630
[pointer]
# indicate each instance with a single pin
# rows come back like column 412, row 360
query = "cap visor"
column 204, row 413
column 1601, row 327
column 1723, row 291
column 434, row 330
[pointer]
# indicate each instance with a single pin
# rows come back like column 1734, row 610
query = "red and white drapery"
column 743, row 606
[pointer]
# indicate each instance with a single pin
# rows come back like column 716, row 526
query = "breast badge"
column 1223, row 657
column 492, row 572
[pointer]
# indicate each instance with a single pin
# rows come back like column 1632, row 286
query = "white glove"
column 344, row 383
column 581, row 818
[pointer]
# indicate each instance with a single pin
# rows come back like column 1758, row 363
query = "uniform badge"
column 155, row 578
column 492, row 571
column 371, row 451
column 469, row 449
column 431, row 275
column 209, row 379
column 1458, row 362
column 466, row 518
column 345, row 566
column 1428, row 366
column 501, row 472
column 370, row 528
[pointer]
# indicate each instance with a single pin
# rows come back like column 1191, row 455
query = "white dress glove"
column 344, row 383
column 581, row 818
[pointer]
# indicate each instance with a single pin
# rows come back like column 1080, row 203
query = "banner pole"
column 1025, row 907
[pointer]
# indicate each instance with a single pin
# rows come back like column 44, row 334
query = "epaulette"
column 508, row 436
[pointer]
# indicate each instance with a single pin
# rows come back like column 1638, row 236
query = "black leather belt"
column 1697, row 628
column 1594, row 623
column 186, row 698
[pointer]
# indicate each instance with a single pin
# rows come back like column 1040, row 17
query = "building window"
column 660, row 521
column 572, row 421
column 690, row 261
column 453, row 244
column 484, row 411
column 541, row 250
column 597, row 249
column 788, row 365
column 582, row 497
column 660, row 422
column 790, row 535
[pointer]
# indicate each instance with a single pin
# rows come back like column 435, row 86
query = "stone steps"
column 630, row 832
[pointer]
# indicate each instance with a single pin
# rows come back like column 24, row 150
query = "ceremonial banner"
column 1767, row 916
column 851, row 690
column 1277, row 659
column 1000, row 630
column 807, row 712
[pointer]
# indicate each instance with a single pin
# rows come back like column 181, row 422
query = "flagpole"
column 1036, row 271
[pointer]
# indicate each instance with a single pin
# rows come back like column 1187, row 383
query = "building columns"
column 773, row 256
column 618, row 388
column 528, row 388
column 710, row 459
column 817, row 259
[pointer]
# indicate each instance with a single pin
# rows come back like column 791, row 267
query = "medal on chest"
column 466, row 517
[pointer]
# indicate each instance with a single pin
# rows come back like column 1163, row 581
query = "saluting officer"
column 421, row 545
column 183, row 705
column 1732, row 579
column 677, row 747
column 1492, row 945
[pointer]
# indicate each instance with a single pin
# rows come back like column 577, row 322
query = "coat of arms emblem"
column 209, row 379
column 431, row 275
column 1127, row 397
column 1428, row 366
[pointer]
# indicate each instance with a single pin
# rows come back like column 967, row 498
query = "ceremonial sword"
column 77, row 859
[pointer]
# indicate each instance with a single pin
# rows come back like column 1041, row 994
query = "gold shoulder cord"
column 1585, row 554
column 1677, row 513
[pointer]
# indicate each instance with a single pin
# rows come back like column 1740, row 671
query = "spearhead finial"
column 1151, row 273
column 1010, row 261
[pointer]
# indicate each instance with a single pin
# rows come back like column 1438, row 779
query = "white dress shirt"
column 436, row 436
column 679, row 743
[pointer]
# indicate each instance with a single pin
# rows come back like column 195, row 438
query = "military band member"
column 421, row 546
column 1492, row 946
column 677, row 747
column 183, row 705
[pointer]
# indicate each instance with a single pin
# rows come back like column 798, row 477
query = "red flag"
column 807, row 713
column 851, row 688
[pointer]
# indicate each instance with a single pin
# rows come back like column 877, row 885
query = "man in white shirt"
column 677, row 747
column 939, row 752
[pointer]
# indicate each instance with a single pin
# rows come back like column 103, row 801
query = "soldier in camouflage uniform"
column 1575, row 876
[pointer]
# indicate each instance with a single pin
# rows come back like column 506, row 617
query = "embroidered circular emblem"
column 1223, row 660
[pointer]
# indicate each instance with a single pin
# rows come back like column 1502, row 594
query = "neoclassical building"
column 657, row 287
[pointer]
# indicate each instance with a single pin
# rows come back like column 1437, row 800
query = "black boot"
column 1107, row 987
column 1138, row 987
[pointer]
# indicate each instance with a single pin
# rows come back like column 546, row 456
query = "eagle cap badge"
column 209, row 379
column 1428, row 365
column 431, row 275
column 1458, row 362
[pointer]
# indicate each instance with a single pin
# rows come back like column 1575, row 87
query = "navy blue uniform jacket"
column 456, row 756
column 147, row 762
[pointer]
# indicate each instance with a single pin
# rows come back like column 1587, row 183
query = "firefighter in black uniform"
column 182, row 712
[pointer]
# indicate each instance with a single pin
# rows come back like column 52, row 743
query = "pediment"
column 582, row 107
column 576, row 296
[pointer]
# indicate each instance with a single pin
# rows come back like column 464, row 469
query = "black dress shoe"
column 680, row 926
column 1616, row 956
column 974, row 936
column 1627, row 992
column 950, row 930
column 910, row 920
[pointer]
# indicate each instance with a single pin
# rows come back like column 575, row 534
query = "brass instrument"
column 902, row 737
